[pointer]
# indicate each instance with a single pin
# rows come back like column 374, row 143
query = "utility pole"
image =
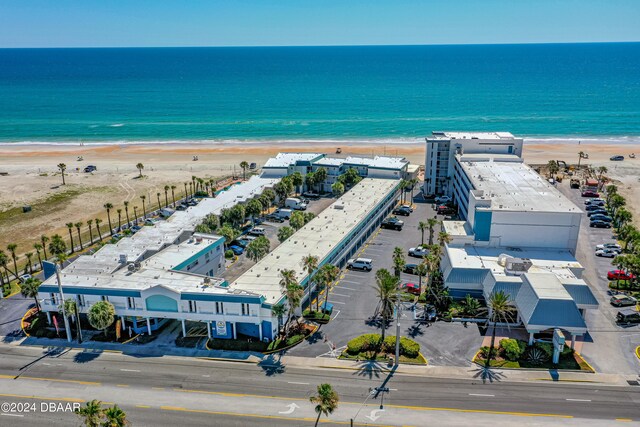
column 64, row 311
column 397, row 330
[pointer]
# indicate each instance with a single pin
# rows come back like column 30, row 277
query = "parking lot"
column 354, row 302
column 608, row 347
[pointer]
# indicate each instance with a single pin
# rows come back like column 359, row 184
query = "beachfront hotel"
column 516, row 232
column 167, row 272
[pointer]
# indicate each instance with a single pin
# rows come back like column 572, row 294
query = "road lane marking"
column 122, row 385
column 51, row 379
column 157, row 388
column 482, row 395
column 12, row 415
column 63, row 399
column 130, row 370
column 295, row 382
column 143, row 406
column 579, row 400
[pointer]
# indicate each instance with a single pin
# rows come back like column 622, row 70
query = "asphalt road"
column 172, row 391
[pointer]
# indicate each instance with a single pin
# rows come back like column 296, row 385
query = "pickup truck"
column 392, row 223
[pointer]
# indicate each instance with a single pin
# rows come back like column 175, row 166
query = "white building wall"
column 554, row 230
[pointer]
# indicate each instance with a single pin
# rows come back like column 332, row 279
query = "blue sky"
column 100, row 23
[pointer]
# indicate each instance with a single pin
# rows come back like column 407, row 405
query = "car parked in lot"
column 410, row 268
column 590, row 193
column 628, row 316
column 193, row 202
column 590, row 208
column 364, row 264
column 311, row 195
column 607, row 253
column 406, row 206
column 90, row 168
column 419, row 252
column 613, row 246
column 616, row 158
column 257, row 231
column 182, row 207
column 622, row 300
column 601, row 217
column 136, row 228
column 619, row 275
column 600, row 224
column 599, row 211
column 590, row 201
column 237, row 250
column 402, row 210
column 446, row 210
column 412, row 288
column 243, row 243
column 441, row 200
column 24, row 278
column 392, row 223
column 150, row 221
column 274, row 218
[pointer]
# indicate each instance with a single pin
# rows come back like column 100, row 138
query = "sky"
column 125, row 23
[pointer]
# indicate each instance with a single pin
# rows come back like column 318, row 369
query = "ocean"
column 392, row 94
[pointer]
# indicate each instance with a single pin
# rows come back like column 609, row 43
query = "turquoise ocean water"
column 395, row 93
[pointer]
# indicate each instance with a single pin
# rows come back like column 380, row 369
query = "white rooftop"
column 547, row 286
column 284, row 160
column 456, row 228
column 378, row 162
column 471, row 135
column 514, row 186
column 329, row 161
column 319, row 237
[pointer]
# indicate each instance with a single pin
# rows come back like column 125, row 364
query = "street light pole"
column 397, row 330
column 64, row 311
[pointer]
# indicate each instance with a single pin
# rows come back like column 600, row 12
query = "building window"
column 131, row 303
column 81, row 301
column 53, row 299
column 192, row 307
column 245, row 309
column 104, row 298
column 219, row 308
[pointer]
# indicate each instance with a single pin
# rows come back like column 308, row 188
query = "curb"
column 638, row 352
column 28, row 313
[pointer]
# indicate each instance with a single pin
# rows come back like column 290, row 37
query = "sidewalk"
column 365, row 368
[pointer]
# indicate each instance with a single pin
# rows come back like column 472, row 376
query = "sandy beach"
column 33, row 178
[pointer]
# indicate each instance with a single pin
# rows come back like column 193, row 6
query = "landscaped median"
column 517, row 354
column 371, row 347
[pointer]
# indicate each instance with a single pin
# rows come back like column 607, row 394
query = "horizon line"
column 321, row 45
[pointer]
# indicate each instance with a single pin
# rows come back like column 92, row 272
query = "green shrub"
column 41, row 333
column 35, row 324
column 547, row 347
column 484, row 352
column 409, row 347
column 363, row 343
column 566, row 350
column 294, row 340
column 228, row 254
column 513, row 349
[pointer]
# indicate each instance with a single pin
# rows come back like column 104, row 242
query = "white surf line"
column 482, row 395
column 130, row 370
column 579, row 400
column 295, row 382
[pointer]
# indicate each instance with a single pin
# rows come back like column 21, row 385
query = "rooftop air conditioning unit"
column 123, row 258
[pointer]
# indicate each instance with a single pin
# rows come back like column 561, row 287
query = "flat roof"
column 470, row 135
column 547, row 286
column 329, row 161
column 318, row 237
column 384, row 162
column 456, row 228
column 514, row 186
column 284, row 160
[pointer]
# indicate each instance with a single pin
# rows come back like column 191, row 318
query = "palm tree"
column 421, row 271
column 398, row 260
column 444, row 238
column 62, row 168
column 12, row 249
column 611, row 190
column 386, row 288
column 140, row 166
column 279, row 311
column 553, row 167
column 4, row 260
column 70, row 229
column 126, row 211
column 309, row 263
column 44, row 239
column 244, row 165
column 403, row 184
column 471, row 305
column 499, row 305
column 135, row 214
column 158, row 197
column 326, row 401
column 320, row 175
column 601, row 171
column 98, row 221
column 330, row 274
column 38, row 247
column 166, row 195
column 119, row 211
column 258, row 248
column 108, row 206
column 101, row 315
column 290, row 286
column 144, row 211
column 3, row 264
column 57, row 246
column 29, row 289
column 115, row 417
column 297, row 180
column 78, row 225
column 412, row 183
column 29, row 266
column 580, row 157
column 186, row 192
column 91, row 413
column 71, row 310
column 422, row 226
column 90, row 225
column 432, row 222
column 173, row 195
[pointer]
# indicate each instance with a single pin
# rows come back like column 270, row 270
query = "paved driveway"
column 355, row 301
column 609, row 347
column 11, row 312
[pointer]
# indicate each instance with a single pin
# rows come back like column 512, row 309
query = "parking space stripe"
column 337, row 302
column 339, row 295
column 344, row 287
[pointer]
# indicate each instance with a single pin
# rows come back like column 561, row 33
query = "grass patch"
column 418, row 360
column 52, row 203
column 317, row 316
column 568, row 359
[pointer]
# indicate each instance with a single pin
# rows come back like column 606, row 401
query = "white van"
column 283, row 213
column 295, row 203
column 365, row 264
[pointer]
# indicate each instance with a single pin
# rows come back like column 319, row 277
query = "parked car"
column 193, row 202
column 590, row 208
column 441, row 200
column 243, row 243
column 364, row 264
column 150, row 221
column 182, row 207
column 622, row 300
column 412, row 288
column 257, row 231
column 419, row 252
column 616, row 158
column 136, row 228
column 90, row 168
column 607, row 253
column 590, row 193
column 589, row 201
column 619, row 275
column 295, row 204
column 601, row 217
column 274, row 218
column 613, row 246
column 410, row 268
column 283, row 213
column 600, row 211
column 600, row 224
column 628, row 316
column 402, row 210
column 311, row 195
column 392, row 223
column 407, row 207
column 237, row 250
column 252, row 165
column 24, row 278
column 446, row 210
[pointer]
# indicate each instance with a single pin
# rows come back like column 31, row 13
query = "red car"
column 412, row 288
column 590, row 193
column 619, row 275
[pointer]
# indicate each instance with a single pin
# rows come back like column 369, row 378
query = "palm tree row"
column 627, row 233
